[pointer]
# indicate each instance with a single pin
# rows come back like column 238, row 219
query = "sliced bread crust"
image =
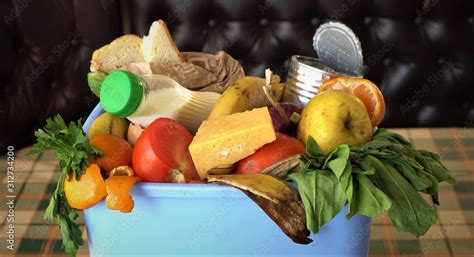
column 158, row 46
column 123, row 50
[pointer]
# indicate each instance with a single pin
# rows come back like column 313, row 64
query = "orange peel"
column 118, row 197
column 363, row 89
column 87, row 191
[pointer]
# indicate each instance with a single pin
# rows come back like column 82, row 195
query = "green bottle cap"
column 121, row 93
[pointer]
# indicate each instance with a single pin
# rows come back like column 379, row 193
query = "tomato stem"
column 176, row 176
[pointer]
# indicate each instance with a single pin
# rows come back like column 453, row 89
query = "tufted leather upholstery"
column 420, row 52
column 45, row 51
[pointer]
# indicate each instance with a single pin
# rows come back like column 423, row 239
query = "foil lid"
column 339, row 48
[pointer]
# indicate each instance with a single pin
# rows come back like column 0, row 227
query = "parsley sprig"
column 72, row 150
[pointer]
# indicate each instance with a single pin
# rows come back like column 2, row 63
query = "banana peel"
column 221, row 170
column 246, row 94
column 278, row 199
column 277, row 87
column 269, row 187
column 290, row 217
column 283, row 167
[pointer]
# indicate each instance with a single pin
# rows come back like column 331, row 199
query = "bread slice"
column 158, row 47
column 123, row 50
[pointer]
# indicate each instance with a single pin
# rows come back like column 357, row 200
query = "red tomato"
column 161, row 153
column 283, row 147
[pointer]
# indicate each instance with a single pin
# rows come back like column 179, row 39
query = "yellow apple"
column 333, row 118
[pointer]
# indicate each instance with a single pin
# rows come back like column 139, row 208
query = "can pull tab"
column 338, row 47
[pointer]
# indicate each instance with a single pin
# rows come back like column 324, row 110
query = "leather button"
column 54, row 84
column 314, row 21
column 471, row 20
column 211, row 23
column 418, row 20
column 367, row 20
column 263, row 22
column 387, row 61
column 74, row 42
column 441, row 61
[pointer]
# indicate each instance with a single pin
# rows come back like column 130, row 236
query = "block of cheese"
column 226, row 140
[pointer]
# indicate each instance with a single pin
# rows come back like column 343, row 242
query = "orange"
column 363, row 89
column 117, row 151
column 117, row 193
column 87, row 191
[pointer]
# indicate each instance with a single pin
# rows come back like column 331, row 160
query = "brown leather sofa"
column 420, row 52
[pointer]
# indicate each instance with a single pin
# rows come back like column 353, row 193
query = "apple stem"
column 271, row 98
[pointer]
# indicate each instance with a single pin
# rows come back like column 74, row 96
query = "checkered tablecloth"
column 36, row 176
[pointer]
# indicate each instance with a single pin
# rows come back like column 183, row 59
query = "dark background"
column 419, row 52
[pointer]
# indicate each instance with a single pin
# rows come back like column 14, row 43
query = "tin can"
column 305, row 76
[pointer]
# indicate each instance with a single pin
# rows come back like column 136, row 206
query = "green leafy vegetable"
column 368, row 200
column 338, row 162
column 409, row 212
column 418, row 178
column 322, row 195
column 314, row 157
column 433, row 164
column 312, row 148
column 383, row 175
column 72, row 151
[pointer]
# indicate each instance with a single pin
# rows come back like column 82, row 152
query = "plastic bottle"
column 142, row 99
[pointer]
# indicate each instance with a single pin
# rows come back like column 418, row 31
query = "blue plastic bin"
column 208, row 220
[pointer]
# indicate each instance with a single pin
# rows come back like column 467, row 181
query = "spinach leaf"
column 322, row 195
column 312, row 148
column 368, row 200
column 338, row 162
column 432, row 164
column 394, row 138
column 417, row 178
column 409, row 212
column 383, row 175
